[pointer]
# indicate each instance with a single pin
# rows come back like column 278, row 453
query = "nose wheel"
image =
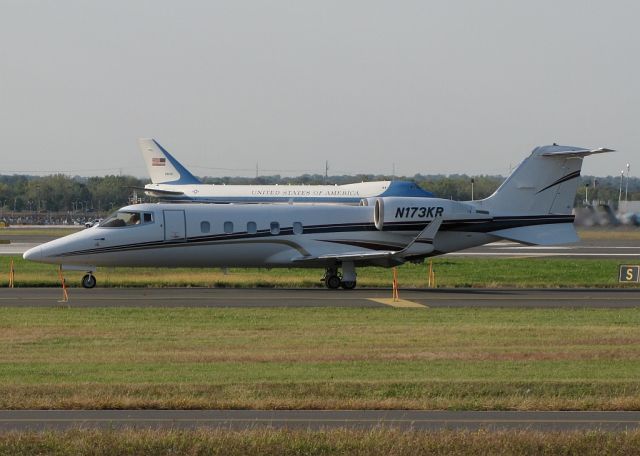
column 88, row 281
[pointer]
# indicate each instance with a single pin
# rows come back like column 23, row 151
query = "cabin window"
column 205, row 227
column 297, row 228
column 275, row 228
column 228, row 227
column 120, row 219
column 148, row 217
column 252, row 228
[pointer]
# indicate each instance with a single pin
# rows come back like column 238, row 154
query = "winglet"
column 426, row 236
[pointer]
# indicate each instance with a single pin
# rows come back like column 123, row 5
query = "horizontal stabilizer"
column 576, row 153
column 157, row 191
column 561, row 233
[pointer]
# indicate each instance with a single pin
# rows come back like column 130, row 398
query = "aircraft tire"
column 332, row 282
column 88, row 281
column 349, row 285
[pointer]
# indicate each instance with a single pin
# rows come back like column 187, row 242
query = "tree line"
column 62, row 193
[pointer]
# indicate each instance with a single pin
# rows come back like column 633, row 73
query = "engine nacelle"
column 394, row 210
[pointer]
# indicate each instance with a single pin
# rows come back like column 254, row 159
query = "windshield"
column 126, row 218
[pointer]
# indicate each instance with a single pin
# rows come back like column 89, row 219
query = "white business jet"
column 173, row 182
column 532, row 206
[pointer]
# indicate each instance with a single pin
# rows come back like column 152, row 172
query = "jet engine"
column 397, row 210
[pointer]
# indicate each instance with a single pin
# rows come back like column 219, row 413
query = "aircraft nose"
column 33, row 254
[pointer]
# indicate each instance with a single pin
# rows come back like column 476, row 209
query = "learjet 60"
column 532, row 206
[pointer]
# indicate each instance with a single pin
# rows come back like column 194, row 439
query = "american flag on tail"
column 155, row 161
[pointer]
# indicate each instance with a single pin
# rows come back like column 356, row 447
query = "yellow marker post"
column 65, row 295
column 432, row 275
column 12, row 274
column 396, row 294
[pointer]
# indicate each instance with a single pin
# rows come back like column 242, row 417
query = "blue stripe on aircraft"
column 405, row 188
column 186, row 178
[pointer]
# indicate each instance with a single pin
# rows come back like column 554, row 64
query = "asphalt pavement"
column 40, row 420
column 261, row 297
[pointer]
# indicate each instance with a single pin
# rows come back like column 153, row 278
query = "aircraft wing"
column 358, row 255
column 422, row 244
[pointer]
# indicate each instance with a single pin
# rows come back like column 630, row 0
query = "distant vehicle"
column 532, row 206
column 173, row 182
column 90, row 223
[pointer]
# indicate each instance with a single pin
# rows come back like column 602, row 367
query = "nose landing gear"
column 88, row 281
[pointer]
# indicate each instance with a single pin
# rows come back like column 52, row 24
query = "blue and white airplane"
column 173, row 182
column 533, row 206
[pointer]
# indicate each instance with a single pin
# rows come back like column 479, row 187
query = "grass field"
column 458, row 272
column 282, row 442
column 526, row 359
column 450, row 272
column 476, row 359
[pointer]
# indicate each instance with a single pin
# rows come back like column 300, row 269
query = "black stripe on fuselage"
column 471, row 225
column 570, row 176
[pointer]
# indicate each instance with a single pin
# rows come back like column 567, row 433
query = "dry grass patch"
column 320, row 358
column 620, row 234
column 388, row 442
column 451, row 272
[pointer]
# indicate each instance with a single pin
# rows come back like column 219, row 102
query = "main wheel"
column 349, row 285
column 88, row 281
column 332, row 282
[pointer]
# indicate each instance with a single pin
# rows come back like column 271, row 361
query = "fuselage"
column 264, row 235
column 344, row 194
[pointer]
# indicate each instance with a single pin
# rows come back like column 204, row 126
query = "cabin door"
column 174, row 226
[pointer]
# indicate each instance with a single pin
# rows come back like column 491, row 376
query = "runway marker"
column 396, row 302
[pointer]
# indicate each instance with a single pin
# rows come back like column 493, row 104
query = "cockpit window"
column 126, row 218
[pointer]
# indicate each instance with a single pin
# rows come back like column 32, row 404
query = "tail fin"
column 544, row 183
column 162, row 167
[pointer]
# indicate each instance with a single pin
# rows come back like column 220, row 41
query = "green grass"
column 450, row 272
column 17, row 233
column 328, row 442
column 525, row 359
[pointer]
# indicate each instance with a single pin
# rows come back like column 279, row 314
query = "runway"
column 602, row 249
column 40, row 420
column 222, row 297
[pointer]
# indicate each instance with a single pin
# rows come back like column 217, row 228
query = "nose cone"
column 33, row 254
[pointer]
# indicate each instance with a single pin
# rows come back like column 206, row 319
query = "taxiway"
column 260, row 297
column 40, row 420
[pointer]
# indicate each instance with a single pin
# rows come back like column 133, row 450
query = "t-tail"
column 162, row 167
column 540, row 193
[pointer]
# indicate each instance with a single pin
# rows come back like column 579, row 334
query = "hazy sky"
column 432, row 87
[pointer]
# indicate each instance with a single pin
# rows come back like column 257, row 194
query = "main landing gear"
column 88, row 281
column 347, row 279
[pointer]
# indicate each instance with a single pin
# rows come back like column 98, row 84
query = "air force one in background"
column 173, row 182
column 533, row 206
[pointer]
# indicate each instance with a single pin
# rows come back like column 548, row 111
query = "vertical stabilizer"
column 162, row 167
column 544, row 183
